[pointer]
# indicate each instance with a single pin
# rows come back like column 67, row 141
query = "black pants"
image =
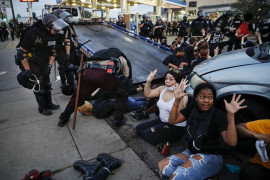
column 254, row 171
column 92, row 79
column 156, row 131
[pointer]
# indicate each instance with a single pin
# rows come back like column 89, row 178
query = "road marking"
column 3, row 72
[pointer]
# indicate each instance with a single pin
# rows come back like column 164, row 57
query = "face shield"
column 59, row 25
column 65, row 16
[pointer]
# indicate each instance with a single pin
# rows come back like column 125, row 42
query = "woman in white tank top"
column 159, row 130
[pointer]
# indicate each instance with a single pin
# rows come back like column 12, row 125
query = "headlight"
column 196, row 80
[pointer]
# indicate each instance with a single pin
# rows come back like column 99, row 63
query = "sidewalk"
column 29, row 140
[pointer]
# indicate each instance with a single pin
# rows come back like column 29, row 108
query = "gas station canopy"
column 115, row 4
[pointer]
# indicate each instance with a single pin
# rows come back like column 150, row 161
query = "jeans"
column 208, row 166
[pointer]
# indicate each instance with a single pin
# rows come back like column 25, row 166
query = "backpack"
column 242, row 30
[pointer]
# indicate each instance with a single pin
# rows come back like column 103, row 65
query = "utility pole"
column 12, row 9
column 30, row 11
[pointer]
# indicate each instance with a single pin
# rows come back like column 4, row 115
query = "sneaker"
column 260, row 146
column 139, row 115
column 166, row 149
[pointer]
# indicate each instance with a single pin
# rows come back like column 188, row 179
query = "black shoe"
column 109, row 161
column 52, row 106
column 119, row 123
column 89, row 168
column 140, row 115
column 44, row 111
column 63, row 122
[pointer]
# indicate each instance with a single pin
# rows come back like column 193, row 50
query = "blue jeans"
column 208, row 166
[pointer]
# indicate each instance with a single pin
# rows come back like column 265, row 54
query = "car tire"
column 257, row 108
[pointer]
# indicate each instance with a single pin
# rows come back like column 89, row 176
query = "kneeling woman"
column 207, row 128
column 160, row 131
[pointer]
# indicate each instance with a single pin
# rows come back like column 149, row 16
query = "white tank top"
column 165, row 109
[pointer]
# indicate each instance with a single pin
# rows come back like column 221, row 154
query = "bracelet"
column 174, row 109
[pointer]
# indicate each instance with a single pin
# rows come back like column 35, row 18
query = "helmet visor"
column 59, row 24
column 64, row 15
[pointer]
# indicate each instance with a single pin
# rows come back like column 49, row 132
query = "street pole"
column 30, row 11
column 13, row 14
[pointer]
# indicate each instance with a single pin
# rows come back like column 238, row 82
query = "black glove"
column 67, row 57
column 28, row 73
column 47, row 70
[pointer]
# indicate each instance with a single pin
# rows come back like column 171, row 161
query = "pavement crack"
column 74, row 142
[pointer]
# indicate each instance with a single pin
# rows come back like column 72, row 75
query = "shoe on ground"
column 86, row 167
column 45, row 112
column 52, row 106
column 109, row 161
column 139, row 115
column 260, row 146
column 63, row 122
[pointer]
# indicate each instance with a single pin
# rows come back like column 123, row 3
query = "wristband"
column 174, row 109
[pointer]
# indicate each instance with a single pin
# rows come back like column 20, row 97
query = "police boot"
column 89, row 168
column 42, row 108
column 64, row 117
column 109, row 161
column 49, row 103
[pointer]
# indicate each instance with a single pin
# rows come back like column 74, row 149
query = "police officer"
column 65, row 67
column 146, row 26
column 209, row 22
column 198, row 25
column 222, row 23
column 37, row 53
column 159, row 30
column 264, row 28
column 183, row 26
column 120, row 21
column 231, row 30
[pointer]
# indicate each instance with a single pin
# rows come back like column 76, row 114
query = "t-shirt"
column 197, row 61
column 260, row 127
column 189, row 51
column 213, row 141
column 173, row 59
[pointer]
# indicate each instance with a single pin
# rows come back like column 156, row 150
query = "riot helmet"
column 145, row 16
column 185, row 17
column 239, row 15
column 159, row 19
column 51, row 21
column 120, row 16
column 61, row 14
column 228, row 13
column 207, row 15
column 200, row 13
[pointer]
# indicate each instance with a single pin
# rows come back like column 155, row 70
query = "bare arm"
column 230, row 135
column 141, row 25
column 175, row 116
column 242, row 130
column 172, row 66
column 147, row 90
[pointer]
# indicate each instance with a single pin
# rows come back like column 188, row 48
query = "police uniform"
column 183, row 28
column 264, row 28
column 37, row 49
column 96, row 76
column 146, row 29
column 159, row 31
column 235, row 23
column 197, row 25
column 121, row 24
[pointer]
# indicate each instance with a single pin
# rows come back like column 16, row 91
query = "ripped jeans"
column 209, row 165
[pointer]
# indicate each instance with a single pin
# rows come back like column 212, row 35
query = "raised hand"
column 151, row 76
column 179, row 89
column 234, row 105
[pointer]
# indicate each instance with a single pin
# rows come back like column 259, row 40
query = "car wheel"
column 257, row 108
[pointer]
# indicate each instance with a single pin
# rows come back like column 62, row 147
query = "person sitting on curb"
column 206, row 131
column 159, row 130
column 259, row 165
column 100, row 169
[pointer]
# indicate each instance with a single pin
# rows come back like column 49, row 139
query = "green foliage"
column 259, row 8
column 87, row 14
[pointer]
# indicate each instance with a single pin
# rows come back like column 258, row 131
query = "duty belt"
column 96, row 65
